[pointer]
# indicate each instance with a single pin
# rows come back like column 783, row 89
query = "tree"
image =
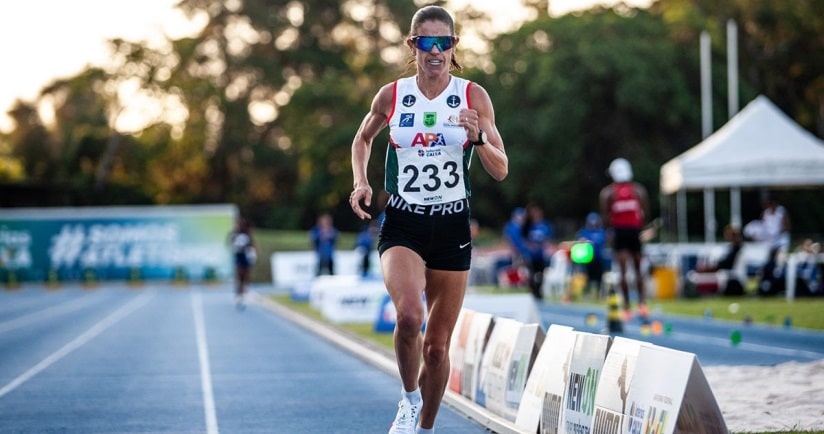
column 574, row 92
column 260, row 105
column 775, row 40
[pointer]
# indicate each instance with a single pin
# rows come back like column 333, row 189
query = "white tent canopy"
column 759, row 147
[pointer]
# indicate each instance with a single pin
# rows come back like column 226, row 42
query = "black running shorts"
column 439, row 235
column 627, row 239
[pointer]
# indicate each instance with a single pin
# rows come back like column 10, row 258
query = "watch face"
column 482, row 137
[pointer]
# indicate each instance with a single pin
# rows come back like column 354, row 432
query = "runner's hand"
column 361, row 195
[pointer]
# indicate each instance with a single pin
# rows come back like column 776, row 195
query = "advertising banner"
column 665, row 380
column 348, row 298
column 585, row 367
column 507, row 360
column 476, row 343
column 556, row 379
column 614, row 385
column 556, row 347
column 457, row 349
column 115, row 243
column 292, row 269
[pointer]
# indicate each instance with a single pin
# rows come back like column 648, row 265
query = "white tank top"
column 427, row 160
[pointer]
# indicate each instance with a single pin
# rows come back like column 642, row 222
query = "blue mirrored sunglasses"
column 426, row 43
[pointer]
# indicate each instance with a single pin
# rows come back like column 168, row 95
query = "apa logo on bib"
column 427, row 140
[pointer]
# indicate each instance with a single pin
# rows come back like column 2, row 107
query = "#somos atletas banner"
column 116, row 242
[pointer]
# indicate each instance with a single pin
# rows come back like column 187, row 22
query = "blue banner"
column 116, row 243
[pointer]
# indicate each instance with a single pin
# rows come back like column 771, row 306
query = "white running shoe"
column 406, row 420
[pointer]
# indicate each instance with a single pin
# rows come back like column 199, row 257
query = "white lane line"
column 78, row 342
column 205, row 370
column 712, row 340
column 48, row 312
column 756, row 348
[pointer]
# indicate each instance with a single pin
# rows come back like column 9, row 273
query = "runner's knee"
column 409, row 320
column 434, row 354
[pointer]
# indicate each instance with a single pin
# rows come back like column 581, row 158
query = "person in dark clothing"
column 245, row 256
column 324, row 237
column 624, row 208
column 537, row 236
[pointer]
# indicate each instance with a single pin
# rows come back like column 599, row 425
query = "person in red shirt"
column 624, row 208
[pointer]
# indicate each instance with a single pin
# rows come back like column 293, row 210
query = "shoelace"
column 406, row 413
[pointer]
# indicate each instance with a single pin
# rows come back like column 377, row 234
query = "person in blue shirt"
column 365, row 244
column 537, row 235
column 324, row 237
column 507, row 268
column 594, row 233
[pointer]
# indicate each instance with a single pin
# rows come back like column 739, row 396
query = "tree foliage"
column 259, row 107
column 580, row 91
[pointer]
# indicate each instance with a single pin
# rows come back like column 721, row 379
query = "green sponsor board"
column 116, row 243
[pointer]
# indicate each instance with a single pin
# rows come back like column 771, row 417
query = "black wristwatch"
column 481, row 139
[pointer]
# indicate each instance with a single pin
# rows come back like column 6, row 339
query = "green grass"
column 802, row 313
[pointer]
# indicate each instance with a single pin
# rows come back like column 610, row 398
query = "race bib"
column 431, row 175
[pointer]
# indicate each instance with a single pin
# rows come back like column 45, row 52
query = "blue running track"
column 181, row 360
column 167, row 359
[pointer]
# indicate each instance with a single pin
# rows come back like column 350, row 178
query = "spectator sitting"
column 809, row 269
column 728, row 283
column 726, row 262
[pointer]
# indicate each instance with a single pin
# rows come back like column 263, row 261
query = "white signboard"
column 613, row 387
column 506, row 362
column 669, row 389
column 520, row 307
column 457, row 349
column 550, row 359
column 556, row 385
column 526, row 349
column 347, row 299
column 585, row 367
column 476, row 343
column 291, row 268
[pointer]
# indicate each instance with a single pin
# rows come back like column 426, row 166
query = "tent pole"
column 681, row 215
column 735, row 207
column 732, row 67
column 709, row 215
column 706, row 85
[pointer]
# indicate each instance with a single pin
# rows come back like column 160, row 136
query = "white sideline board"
column 614, row 385
column 585, row 366
column 520, row 307
column 292, row 268
column 669, row 393
column 507, row 360
column 480, row 329
column 347, row 298
column 551, row 359
column 457, row 349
